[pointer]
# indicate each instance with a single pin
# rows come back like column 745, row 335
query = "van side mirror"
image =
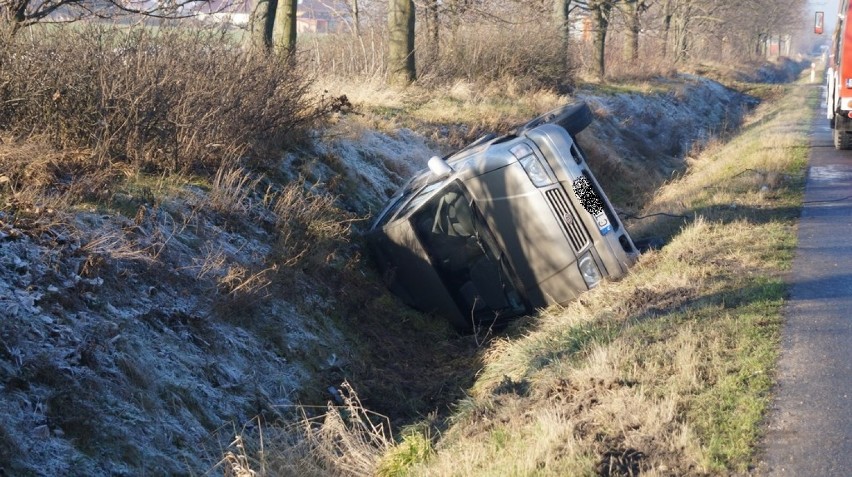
column 439, row 167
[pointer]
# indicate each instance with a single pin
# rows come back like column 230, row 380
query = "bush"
column 478, row 52
column 532, row 57
column 166, row 100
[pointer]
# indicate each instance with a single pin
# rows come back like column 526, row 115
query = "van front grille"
column 568, row 219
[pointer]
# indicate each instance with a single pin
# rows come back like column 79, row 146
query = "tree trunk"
column 681, row 24
column 261, row 24
column 667, row 26
column 561, row 11
column 20, row 9
column 600, row 16
column 631, row 37
column 401, row 42
column 561, row 17
column 285, row 27
column 433, row 27
column 356, row 19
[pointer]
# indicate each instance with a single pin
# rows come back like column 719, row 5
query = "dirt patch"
column 646, row 302
column 621, row 463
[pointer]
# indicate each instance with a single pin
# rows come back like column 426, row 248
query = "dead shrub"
column 311, row 225
column 37, row 173
column 174, row 99
column 348, row 440
column 118, row 245
column 231, row 191
column 239, row 282
column 479, row 48
column 485, row 52
column 654, row 60
column 338, row 55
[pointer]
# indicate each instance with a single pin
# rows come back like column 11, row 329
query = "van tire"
column 573, row 117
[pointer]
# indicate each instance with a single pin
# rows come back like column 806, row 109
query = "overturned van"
column 504, row 226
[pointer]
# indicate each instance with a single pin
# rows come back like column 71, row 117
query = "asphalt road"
column 810, row 424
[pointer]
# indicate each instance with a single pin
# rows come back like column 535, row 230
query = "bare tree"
column 692, row 21
column 719, row 29
column 600, row 10
column 632, row 10
column 18, row 14
column 401, row 21
column 356, row 18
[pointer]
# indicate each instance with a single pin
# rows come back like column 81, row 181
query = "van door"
column 466, row 257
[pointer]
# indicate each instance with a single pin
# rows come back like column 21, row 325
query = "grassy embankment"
column 668, row 371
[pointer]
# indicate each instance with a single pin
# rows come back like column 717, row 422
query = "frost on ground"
column 118, row 354
column 656, row 132
column 140, row 344
column 371, row 164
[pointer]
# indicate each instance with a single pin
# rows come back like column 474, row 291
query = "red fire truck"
column 839, row 80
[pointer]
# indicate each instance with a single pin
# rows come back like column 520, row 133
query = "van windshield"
column 466, row 256
column 410, row 197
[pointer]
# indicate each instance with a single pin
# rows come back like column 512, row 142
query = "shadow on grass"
column 665, row 228
column 646, row 307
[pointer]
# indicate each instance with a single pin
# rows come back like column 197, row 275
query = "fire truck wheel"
column 842, row 139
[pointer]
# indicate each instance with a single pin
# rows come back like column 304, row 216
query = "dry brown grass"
column 231, row 191
column 34, row 169
column 346, row 440
column 240, row 281
column 117, row 245
column 619, row 379
column 716, row 187
column 311, row 225
column 450, row 116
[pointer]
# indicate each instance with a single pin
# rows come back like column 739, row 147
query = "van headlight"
column 589, row 270
column 535, row 170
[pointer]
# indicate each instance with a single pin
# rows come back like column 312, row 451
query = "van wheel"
column 842, row 140
column 573, row 117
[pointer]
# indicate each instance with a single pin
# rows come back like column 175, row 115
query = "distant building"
column 226, row 11
column 322, row 16
column 312, row 16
